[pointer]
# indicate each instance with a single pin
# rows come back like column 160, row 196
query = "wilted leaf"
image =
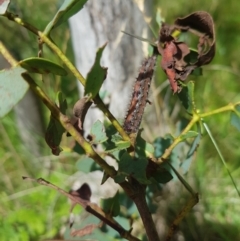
column 42, row 66
column 186, row 97
column 84, row 231
column 79, row 112
column 12, row 88
column 98, row 133
column 111, row 205
column 96, row 76
column 55, row 130
column 68, row 9
column 3, row 6
column 235, row 117
column 203, row 23
column 84, row 192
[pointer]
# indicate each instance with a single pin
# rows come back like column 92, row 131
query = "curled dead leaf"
column 201, row 23
column 79, row 112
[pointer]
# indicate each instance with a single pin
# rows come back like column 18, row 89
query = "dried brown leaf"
column 86, row 230
column 201, row 22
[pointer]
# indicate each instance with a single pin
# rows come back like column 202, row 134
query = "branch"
column 196, row 117
column 97, row 100
column 177, row 140
column 64, row 120
column 13, row 17
column 190, row 204
column 72, row 68
column 89, row 207
column 140, row 201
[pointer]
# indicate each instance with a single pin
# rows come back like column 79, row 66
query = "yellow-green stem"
column 19, row 21
column 168, row 151
column 229, row 107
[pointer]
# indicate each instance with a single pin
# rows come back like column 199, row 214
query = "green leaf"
column 12, row 88
column 162, row 175
column 61, row 102
column 68, row 9
column 42, row 66
column 55, row 130
column 235, row 117
column 189, row 134
column 132, row 167
column 3, row 6
column 187, row 162
column 96, row 76
column 116, row 143
column 98, row 133
column 85, row 164
column 143, row 148
column 161, row 144
column 111, row 205
column 78, row 149
column 197, row 72
column 186, row 97
column 104, row 178
column 192, row 56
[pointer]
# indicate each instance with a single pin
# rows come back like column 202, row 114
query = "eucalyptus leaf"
column 111, row 205
column 187, row 162
column 55, row 130
column 96, row 76
column 12, row 88
column 68, row 9
column 186, row 97
column 42, row 66
column 161, row 144
column 85, row 164
column 235, row 117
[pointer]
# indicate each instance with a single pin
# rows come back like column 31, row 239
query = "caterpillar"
column 139, row 96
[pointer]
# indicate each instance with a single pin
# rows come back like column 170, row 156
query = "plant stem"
column 16, row 19
column 71, row 67
column 229, row 107
column 64, row 120
column 7, row 55
column 140, row 201
column 168, row 151
column 92, row 208
column 77, row 74
column 190, row 204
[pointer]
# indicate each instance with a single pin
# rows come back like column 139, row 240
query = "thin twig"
column 190, row 204
column 89, row 207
